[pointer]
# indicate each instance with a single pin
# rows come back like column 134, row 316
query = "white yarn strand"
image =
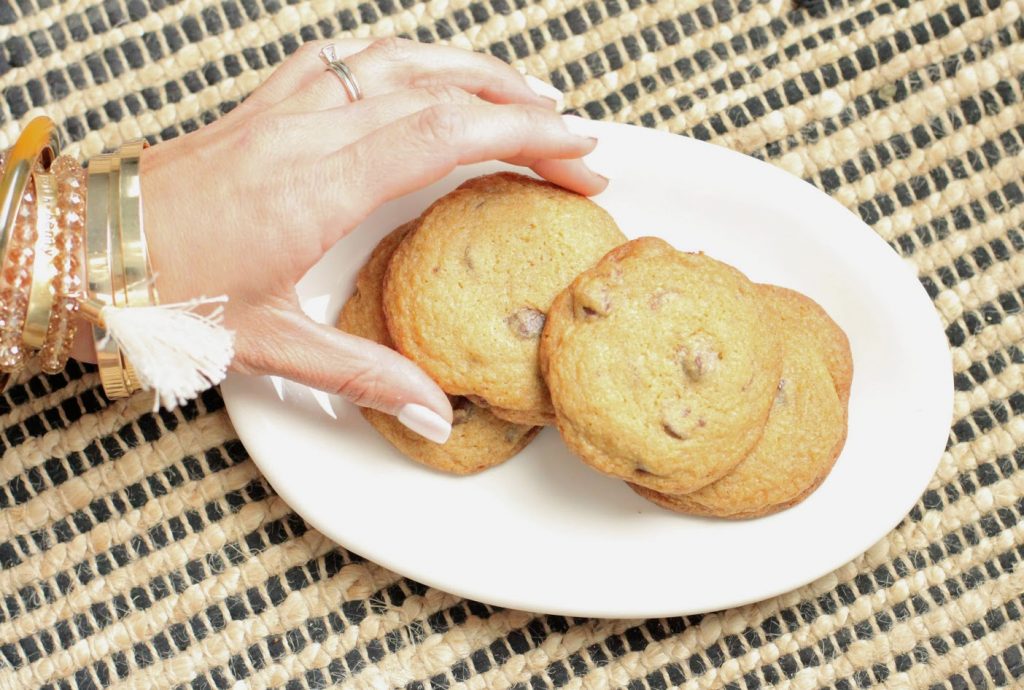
column 176, row 351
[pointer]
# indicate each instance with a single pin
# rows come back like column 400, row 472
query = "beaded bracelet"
column 66, row 282
column 40, row 296
column 35, row 149
column 42, row 254
column 51, row 230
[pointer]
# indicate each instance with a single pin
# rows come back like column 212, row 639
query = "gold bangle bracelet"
column 139, row 290
column 98, row 237
column 40, row 301
column 38, row 136
column 115, row 257
column 37, row 139
column 138, row 273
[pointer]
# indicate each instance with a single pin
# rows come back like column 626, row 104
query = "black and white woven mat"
column 142, row 550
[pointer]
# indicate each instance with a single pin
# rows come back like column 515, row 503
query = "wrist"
column 158, row 213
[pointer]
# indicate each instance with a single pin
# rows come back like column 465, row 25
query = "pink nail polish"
column 425, row 422
column 546, row 91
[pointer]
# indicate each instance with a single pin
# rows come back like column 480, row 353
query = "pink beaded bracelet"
column 45, row 243
column 39, row 239
column 67, row 282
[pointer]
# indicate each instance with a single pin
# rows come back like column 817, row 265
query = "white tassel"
column 176, row 351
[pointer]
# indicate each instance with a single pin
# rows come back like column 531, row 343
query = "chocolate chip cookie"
column 466, row 294
column 662, row 366
column 479, row 440
column 806, row 428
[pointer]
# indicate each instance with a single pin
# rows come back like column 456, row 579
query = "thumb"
column 364, row 372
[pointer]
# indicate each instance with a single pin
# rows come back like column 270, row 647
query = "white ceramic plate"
column 545, row 533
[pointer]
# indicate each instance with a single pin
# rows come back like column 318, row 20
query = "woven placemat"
column 146, row 550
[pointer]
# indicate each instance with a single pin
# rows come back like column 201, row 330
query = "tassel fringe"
column 176, row 351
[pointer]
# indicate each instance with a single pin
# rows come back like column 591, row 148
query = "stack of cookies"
column 462, row 291
column 707, row 393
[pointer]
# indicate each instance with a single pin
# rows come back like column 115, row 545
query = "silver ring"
column 341, row 70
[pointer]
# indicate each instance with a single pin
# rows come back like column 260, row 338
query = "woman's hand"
column 245, row 206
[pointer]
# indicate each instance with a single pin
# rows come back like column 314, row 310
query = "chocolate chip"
column 478, row 401
column 591, row 300
column 526, row 322
column 462, row 410
column 676, row 424
column 673, row 432
column 699, row 356
column 514, row 433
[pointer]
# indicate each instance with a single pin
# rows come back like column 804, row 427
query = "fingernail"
column 603, row 177
column 582, row 127
column 425, row 422
column 546, row 90
column 579, row 126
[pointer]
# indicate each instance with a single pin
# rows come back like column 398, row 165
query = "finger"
column 572, row 174
column 424, row 147
column 300, row 69
column 394, row 64
column 339, row 127
column 360, row 370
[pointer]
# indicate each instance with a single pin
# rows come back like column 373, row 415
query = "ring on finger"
column 348, row 80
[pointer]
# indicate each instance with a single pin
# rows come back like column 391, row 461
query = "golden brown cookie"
column 467, row 293
column 832, row 342
column 662, row 366
column 479, row 440
column 806, row 428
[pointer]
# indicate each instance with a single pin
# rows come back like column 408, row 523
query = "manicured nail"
column 579, row 126
column 582, row 127
column 546, row 90
column 425, row 422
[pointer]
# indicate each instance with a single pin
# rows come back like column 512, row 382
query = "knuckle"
column 362, row 387
column 539, row 118
column 443, row 93
column 531, row 120
column 391, row 48
column 266, row 127
column 441, row 123
column 256, row 356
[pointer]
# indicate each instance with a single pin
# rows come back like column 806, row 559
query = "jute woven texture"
column 147, row 551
